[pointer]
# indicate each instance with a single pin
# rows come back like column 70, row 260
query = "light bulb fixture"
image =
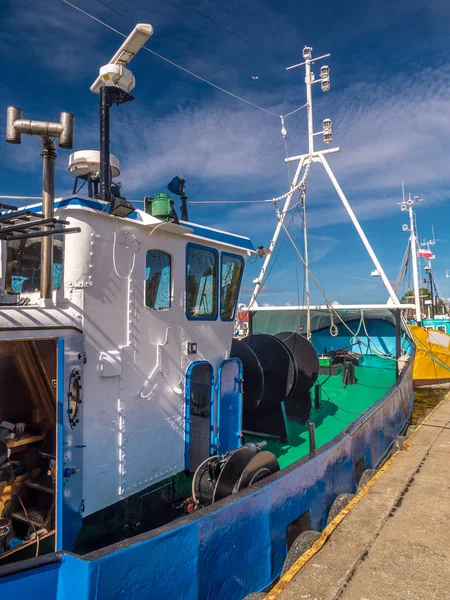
column 327, row 131
column 325, row 78
column 121, row 207
column 307, row 52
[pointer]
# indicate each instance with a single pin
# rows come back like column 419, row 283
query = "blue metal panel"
column 75, row 581
column 229, row 405
column 83, row 203
column 69, row 502
column 220, row 236
column 36, row 584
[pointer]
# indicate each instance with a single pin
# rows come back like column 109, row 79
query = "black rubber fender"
column 339, row 504
column 365, row 478
column 301, row 544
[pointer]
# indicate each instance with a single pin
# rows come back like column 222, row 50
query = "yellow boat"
column 432, row 358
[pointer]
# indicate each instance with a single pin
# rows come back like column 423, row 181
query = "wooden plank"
column 18, row 479
column 27, row 439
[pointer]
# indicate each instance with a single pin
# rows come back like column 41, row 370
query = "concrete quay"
column 393, row 540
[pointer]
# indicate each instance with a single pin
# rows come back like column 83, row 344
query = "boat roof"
column 194, row 230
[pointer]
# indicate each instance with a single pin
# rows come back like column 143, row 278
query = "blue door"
column 69, row 507
column 229, row 426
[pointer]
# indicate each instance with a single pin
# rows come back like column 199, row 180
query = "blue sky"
column 389, row 102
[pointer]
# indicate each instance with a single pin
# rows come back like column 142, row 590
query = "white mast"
column 319, row 156
column 260, row 280
column 408, row 205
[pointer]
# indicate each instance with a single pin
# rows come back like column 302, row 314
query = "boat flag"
column 424, row 253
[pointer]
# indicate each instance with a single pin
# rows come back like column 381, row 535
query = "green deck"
column 339, row 408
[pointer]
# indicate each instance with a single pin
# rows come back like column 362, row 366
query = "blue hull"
column 231, row 548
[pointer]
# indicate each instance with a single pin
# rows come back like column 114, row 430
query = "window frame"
column 8, row 276
column 159, row 310
column 241, row 274
column 186, row 312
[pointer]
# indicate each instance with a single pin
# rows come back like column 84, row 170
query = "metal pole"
column 413, row 241
column 105, row 167
column 184, row 210
column 431, row 290
column 312, row 437
column 250, row 322
column 48, row 198
column 359, row 229
column 305, row 248
column 317, row 390
column 398, row 331
column 309, row 106
column 276, row 234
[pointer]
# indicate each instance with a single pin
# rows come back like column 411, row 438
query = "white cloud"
column 388, row 132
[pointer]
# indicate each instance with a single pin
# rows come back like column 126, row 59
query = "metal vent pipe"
column 47, row 131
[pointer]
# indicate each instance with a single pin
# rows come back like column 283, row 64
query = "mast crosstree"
column 303, row 162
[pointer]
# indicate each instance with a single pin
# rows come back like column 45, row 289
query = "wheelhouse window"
column 158, row 280
column 201, row 266
column 23, row 265
column 231, row 274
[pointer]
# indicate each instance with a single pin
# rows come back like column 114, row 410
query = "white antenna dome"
column 87, row 162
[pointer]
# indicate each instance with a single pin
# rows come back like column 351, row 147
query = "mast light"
column 325, row 78
column 307, row 52
column 327, row 131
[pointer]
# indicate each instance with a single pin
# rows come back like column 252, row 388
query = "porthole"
column 74, row 398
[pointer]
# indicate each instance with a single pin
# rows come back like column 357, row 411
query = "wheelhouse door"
column 199, row 413
column 229, row 405
column 69, row 508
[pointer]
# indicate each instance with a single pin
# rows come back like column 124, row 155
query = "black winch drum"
column 231, row 472
column 260, row 466
column 254, row 377
column 305, row 358
column 277, row 363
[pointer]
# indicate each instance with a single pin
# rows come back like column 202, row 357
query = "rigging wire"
column 403, row 267
column 281, row 214
column 116, row 11
column 174, row 64
column 193, row 56
column 270, row 200
column 280, row 246
column 330, row 306
column 295, row 110
column 240, row 37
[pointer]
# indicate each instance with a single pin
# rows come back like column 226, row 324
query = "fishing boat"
column 144, row 453
column 431, row 333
